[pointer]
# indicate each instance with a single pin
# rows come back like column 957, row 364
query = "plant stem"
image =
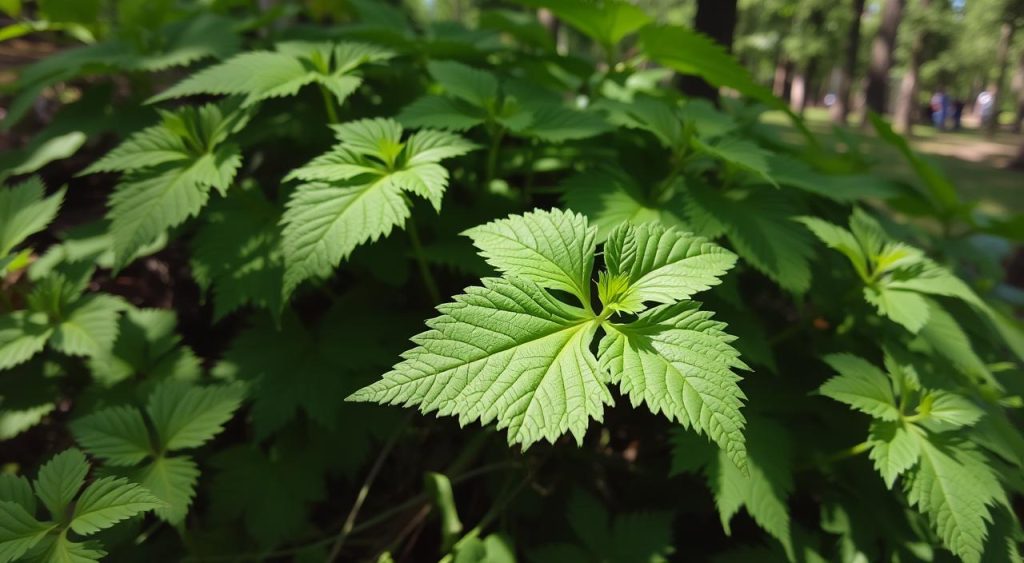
column 329, row 106
column 421, row 261
column 350, row 522
column 492, row 156
column 852, row 451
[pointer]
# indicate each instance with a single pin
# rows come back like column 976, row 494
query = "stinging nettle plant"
column 510, row 351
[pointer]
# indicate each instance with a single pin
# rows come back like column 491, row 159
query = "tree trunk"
column 848, row 72
column 798, row 92
column 877, row 91
column 905, row 110
column 781, row 76
column 716, row 19
column 1002, row 58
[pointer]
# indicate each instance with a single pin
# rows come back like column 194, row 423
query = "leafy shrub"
column 829, row 351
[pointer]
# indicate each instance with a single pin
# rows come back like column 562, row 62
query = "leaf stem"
column 364, row 491
column 852, row 451
column 329, row 105
column 421, row 261
column 492, row 156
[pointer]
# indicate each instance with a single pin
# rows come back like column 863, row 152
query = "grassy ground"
column 976, row 165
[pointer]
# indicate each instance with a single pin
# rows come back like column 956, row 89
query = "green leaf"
column 260, row 75
column 763, row 488
column 147, row 345
column 557, row 124
column 839, row 239
column 172, row 480
column 554, row 249
column 894, row 449
column 118, row 435
column 952, row 409
column 153, row 146
column 144, row 205
column 862, row 386
column 906, row 308
column 954, row 488
column 237, row 253
column 441, row 112
column 19, row 531
column 759, row 225
column 738, row 153
column 945, row 337
column 90, row 327
column 60, row 479
column 940, row 189
column 664, row 265
column 679, row 361
column 187, row 416
column 474, row 86
column 609, row 199
column 59, row 549
column 22, row 335
column 507, row 351
column 107, row 501
column 17, row 489
column 608, row 22
column 25, row 210
column 362, row 198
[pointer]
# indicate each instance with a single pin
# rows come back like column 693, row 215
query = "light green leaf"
column 608, row 22
column 945, row 337
column 25, row 210
column 22, row 335
column 840, row 239
column 903, row 307
column 862, row 386
column 59, row 549
column 507, row 351
column 187, row 416
column 679, row 361
column 738, row 153
column 19, row 531
column 954, row 488
column 172, row 480
column 108, row 501
column 17, row 489
column 952, row 409
column 257, row 75
column 118, row 435
column 664, row 265
column 145, row 205
column 554, row 249
column 90, row 327
column 152, row 146
column 894, row 449
column 60, row 479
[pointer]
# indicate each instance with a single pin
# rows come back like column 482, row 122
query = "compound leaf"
column 60, row 479
column 862, row 386
column 187, row 416
column 116, row 434
column 107, row 501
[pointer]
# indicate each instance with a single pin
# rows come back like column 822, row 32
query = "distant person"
column 958, row 113
column 940, row 109
column 985, row 101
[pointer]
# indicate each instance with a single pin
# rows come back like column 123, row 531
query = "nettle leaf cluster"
column 235, row 221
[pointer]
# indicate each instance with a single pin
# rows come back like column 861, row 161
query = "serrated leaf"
column 952, row 409
column 557, row 124
column 107, row 501
column 862, row 386
column 840, row 239
column 608, row 22
column 237, row 253
column 362, row 196
column 763, row 488
column 172, row 480
column 738, row 153
column 59, row 549
column 945, row 337
column 90, row 326
column 22, row 335
column 664, row 265
column 153, row 146
column 894, row 449
column 506, row 352
column 187, row 416
column 17, row 489
column 19, row 531
column 954, row 488
column 145, row 205
column 609, row 199
column 60, row 479
column 147, row 345
column 118, row 435
column 25, row 210
column 678, row 361
column 906, row 308
column 758, row 223
column 554, row 249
